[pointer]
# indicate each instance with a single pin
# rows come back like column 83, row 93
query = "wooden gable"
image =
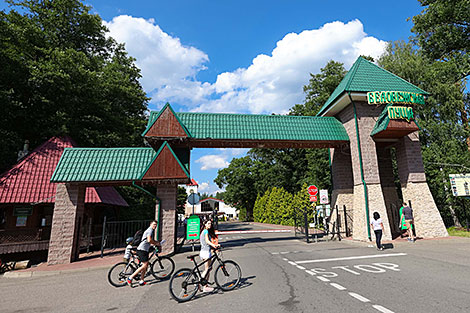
column 165, row 166
column 167, row 125
column 397, row 129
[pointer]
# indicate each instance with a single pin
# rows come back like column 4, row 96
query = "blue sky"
column 244, row 56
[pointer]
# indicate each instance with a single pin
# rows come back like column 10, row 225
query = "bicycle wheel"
column 118, row 274
column 184, row 285
column 227, row 275
column 163, row 267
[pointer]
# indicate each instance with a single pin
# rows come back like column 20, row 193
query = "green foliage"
column 442, row 29
column 181, row 198
column 61, row 75
column 142, row 206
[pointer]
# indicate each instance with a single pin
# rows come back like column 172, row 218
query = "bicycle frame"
column 203, row 280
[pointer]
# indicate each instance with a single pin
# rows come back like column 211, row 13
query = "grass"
column 460, row 232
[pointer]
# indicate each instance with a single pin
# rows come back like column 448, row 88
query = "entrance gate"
column 355, row 124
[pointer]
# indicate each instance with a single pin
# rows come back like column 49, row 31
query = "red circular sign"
column 312, row 190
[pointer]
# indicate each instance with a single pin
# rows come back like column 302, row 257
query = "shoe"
column 409, row 239
column 142, row 283
column 207, row 289
column 129, row 282
column 381, row 249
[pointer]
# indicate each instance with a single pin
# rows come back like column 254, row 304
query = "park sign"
column 394, row 97
column 395, row 113
column 460, row 184
column 193, row 227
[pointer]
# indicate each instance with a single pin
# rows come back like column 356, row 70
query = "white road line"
column 382, row 309
column 310, row 272
column 323, row 278
column 358, row 297
column 284, row 252
column 338, row 286
column 285, row 259
column 352, row 258
column 300, row 267
column 291, row 263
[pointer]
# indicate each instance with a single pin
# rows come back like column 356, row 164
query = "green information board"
column 193, row 227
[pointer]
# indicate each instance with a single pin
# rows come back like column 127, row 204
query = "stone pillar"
column 342, row 194
column 65, row 230
column 366, row 116
column 427, row 218
column 167, row 194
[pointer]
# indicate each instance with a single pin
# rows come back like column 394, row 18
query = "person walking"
column 143, row 253
column 378, row 227
column 206, row 252
column 407, row 216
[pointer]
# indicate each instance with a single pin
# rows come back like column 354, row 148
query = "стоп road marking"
column 323, row 278
column 352, row 258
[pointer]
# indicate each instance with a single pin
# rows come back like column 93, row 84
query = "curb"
column 32, row 274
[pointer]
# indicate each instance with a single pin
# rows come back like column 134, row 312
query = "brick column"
column 68, row 214
column 167, row 194
column 428, row 220
column 367, row 116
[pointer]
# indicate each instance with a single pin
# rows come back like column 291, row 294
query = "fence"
column 115, row 233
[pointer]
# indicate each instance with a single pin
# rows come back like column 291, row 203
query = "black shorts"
column 143, row 255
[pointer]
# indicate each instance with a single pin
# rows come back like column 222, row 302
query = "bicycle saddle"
column 190, row 257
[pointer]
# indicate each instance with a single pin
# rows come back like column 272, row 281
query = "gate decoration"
column 342, row 125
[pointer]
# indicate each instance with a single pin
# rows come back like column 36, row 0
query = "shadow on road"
column 244, row 283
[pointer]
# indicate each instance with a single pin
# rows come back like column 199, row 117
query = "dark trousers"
column 378, row 238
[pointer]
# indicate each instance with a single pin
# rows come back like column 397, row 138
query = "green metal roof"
column 382, row 122
column 102, row 164
column 365, row 76
column 259, row 127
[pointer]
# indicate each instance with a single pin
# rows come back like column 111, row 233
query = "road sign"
column 312, row 190
column 193, row 198
column 193, row 227
column 324, row 196
column 313, row 198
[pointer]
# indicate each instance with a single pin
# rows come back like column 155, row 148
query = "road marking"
column 285, row 259
column 358, row 297
column 352, row 258
column 292, row 263
column 382, row 309
column 323, row 278
column 338, row 286
column 310, row 272
column 300, row 267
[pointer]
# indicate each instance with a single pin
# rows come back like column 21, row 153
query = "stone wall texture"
column 167, row 194
column 68, row 211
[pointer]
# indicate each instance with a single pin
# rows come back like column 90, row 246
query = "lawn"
column 460, row 232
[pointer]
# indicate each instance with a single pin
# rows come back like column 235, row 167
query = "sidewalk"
column 86, row 262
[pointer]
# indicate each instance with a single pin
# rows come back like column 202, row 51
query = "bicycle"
column 185, row 283
column 160, row 267
column 6, row 266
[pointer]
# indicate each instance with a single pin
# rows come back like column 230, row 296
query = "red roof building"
column 27, row 199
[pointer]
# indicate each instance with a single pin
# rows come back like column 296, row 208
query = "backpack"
column 137, row 238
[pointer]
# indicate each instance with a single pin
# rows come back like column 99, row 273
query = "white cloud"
column 203, row 187
column 212, row 161
column 270, row 84
column 168, row 68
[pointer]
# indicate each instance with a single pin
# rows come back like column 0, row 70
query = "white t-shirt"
column 376, row 224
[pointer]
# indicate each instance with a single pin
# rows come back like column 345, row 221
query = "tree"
column 61, row 75
column 181, row 198
column 444, row 128
column 443, row 30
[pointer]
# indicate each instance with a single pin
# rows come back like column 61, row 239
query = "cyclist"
column 143, row 253
column 206, row 252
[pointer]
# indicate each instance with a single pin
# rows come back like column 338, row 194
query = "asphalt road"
column 279, row 274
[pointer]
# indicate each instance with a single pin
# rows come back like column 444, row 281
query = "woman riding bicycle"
column 206, row 252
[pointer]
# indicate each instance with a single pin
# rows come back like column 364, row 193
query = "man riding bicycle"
column 143, row 253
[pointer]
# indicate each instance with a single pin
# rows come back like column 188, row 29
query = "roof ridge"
column 251, row 115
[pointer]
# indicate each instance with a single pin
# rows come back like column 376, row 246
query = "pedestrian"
column 407, row 216
column 206, row 252
column 143, row 253
column 402, row 225
column 378, row 227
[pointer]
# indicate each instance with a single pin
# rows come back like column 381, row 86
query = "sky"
column 244, row 56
